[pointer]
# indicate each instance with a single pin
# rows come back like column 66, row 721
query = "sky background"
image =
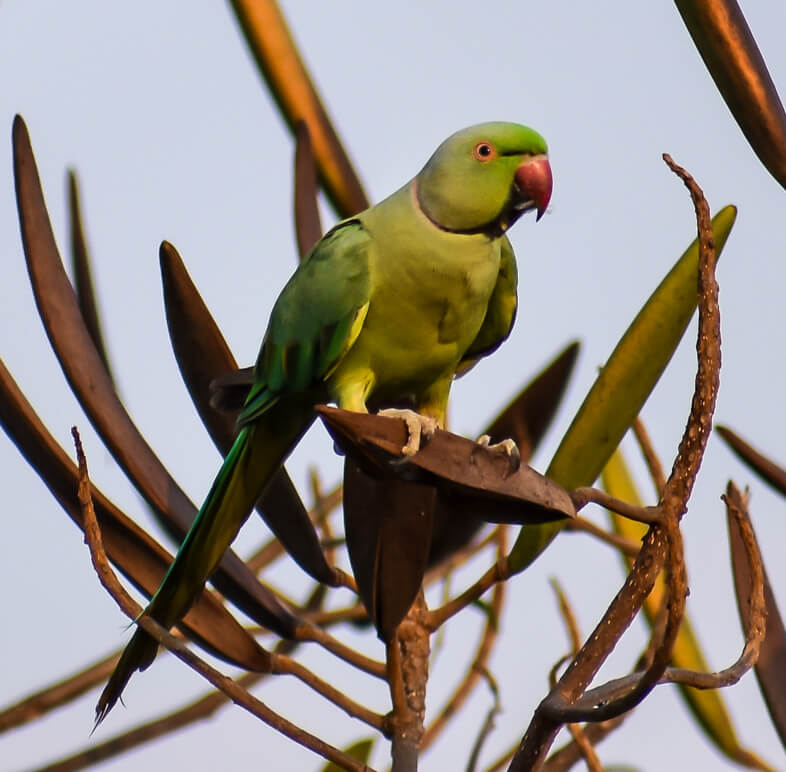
column 159, row 108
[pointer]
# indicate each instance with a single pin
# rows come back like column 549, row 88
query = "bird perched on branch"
column 387, row 309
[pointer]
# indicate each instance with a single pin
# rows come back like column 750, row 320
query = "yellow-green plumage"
column 426, row 307
column 387, row 308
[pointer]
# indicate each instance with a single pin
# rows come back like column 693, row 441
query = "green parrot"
column 388, row 307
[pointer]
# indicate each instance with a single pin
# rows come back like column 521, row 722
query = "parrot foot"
column 508, row 447
column 419, row 428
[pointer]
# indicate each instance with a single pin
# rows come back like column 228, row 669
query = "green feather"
column 387, row 307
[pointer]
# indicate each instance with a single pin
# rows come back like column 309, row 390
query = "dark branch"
column 225, row 684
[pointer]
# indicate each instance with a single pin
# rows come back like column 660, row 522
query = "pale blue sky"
column 158, row 107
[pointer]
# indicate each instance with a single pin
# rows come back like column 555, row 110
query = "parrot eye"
column 484, row 151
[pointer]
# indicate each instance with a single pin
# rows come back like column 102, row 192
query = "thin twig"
column 458, row 558
column 198, row 710
column 626, row 546
column 585, row 746
column 498, row 572
column 568, row 617
column 708, row 347
column 41, row 702
column 564, row 758
column 737, row 506
column 314, row 634
column 488, row 725
column 650, row 456
column 273, row 549
column 503, row 760
column 583, row 496
column 602, row 704
column 680, row 483
column 133, row 610
column 555, row 668
column 331, row 617
column 289, row 666
column 580, row 738
column 482, row 655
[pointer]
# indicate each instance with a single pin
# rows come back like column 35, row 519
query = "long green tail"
column 258, row 451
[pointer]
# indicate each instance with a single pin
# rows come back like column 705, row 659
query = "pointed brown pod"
column 767, row 469
column 202, row 354
column 459, row 467
column 729, row 50
column 771, row 666
column 308, row 227
column 525, row 421
column 396, row 527
column 388, row 525
column 90, row 382
column 137, row 555
column 271, row 44
column 83, row 274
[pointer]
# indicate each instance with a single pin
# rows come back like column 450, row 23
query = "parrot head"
column 483, row 178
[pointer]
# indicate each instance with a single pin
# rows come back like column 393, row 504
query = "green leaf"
column 360, row 751
column 623, row 385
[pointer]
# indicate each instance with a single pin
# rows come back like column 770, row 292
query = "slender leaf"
column 771, row 666
column 729, row 50
column 768, row 470
column 360, row 751
column 135, row 553
column 83, row 274
column 271, row 43
column 202, row 353
column 87, row 376
column 308, row 228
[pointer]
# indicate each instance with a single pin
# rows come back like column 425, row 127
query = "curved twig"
column 479, row 662
column 625, row 546
column 650, row 456
column 662, row 540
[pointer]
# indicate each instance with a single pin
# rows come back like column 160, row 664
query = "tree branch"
column 662, row 540
column 131, row 608
column 480, row 661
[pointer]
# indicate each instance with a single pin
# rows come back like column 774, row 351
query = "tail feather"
column 258, row 451
column 137, row 655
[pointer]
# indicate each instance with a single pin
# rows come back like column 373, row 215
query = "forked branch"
column 662, row 543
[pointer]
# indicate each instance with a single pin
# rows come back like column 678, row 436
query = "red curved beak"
column 534, row 181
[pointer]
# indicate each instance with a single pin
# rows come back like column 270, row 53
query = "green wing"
column 500, row 315
column 316, row 319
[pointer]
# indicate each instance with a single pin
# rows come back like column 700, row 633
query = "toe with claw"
column 419, row 428
column 508, row 447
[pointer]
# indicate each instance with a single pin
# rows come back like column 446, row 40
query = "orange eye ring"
column 484, row 151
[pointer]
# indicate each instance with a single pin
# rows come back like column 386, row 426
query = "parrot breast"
column 430, row 291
